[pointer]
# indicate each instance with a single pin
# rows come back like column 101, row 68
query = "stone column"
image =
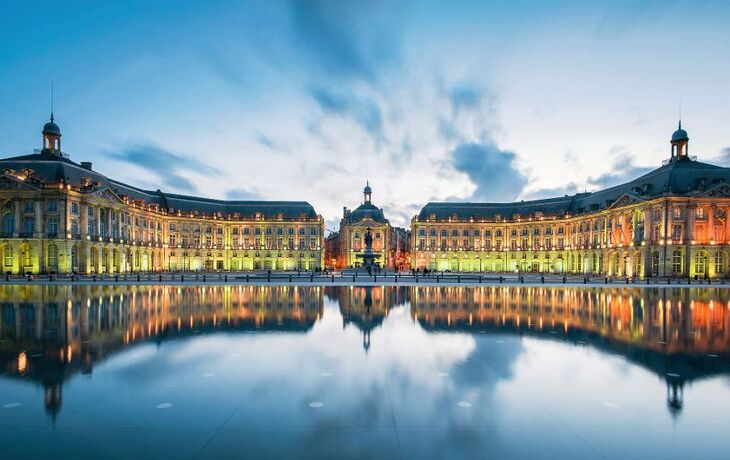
column 18, row 218
column 38, row 230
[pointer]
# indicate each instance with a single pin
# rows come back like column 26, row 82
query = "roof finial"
column 51, row 100
column 680, row 113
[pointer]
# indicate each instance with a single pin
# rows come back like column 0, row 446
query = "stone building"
column 390, row 244
column 60, row 216
column 670, row 222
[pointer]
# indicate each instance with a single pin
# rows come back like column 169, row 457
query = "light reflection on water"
column 439, row 372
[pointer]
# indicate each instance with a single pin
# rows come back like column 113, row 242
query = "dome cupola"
column 51, row 138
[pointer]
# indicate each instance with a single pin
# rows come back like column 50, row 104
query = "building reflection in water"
column 50, row 333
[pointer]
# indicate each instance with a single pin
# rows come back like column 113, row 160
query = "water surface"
column 363, row 372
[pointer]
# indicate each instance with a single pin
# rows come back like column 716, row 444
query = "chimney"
column 86, row 165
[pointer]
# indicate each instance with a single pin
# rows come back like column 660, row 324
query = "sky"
column 428, row 100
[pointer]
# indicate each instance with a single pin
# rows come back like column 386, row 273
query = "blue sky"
column 430, row 100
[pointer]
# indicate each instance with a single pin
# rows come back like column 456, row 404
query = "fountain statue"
column 367, row 256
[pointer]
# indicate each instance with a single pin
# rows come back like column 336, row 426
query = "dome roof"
column 680, row 134
column 51, row 128
column 366, row 211
column 367, row 188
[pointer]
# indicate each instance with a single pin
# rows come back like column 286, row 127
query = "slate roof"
column 366, row 211
column 682, row 177
column 54, row 169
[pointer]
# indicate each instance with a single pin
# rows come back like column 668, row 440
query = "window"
column 676, row 262
column 719, row 263
column 700, row 263
column 9, row 223
column 75, row 226
column 700, row 213
column 8, row 255
column 28, row 224
column 676, row 214
column 28, row 206
column 52, row 225
column 53, row 206
column 53, row 256
column 74, row 208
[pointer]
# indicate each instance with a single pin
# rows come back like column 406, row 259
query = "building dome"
column 680, row 134
column 51, row 128
column 367, row 189
column 366, row 211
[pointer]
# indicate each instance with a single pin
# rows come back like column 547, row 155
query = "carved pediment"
column 9, row 182
column 721, row 191
column 108, row 195
column 625, row 200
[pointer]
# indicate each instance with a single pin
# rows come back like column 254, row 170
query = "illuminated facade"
column 390, row 244
column 670, row 222
column 59, row 216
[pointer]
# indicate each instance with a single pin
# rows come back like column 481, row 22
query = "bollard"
column 225, row 278
column 542, row 279
column 458, row 278
column 585, row 280
column 606, row 280
column 247, row 277
column 160, row 278
column 522, row 279
column 500, row 279
column 564, row 279
column 204, row 278
column 138, row 278
column 182, row 278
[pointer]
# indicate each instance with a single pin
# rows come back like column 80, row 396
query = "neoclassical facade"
column 669, row 222
column 390, row 243
column 59, row 216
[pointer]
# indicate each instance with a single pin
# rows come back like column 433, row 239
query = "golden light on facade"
column 22, row 362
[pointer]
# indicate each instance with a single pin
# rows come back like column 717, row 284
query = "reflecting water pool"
column 363, row 372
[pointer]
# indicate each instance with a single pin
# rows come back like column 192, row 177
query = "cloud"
column 167, row 166
column 466, row 97
column 242, row 194
column 724, row 158
column 363, row 111
column 346, row 38
column 552, row 192
column 490, row 169
column 623, row 170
